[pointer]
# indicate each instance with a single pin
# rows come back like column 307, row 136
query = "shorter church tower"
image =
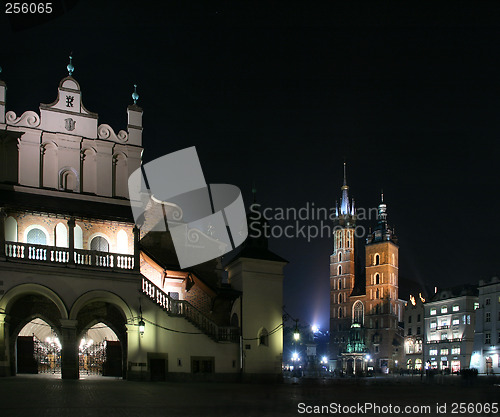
column 342, row 273
column 383, row 306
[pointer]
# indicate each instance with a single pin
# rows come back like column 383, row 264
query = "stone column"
column 3, row 215
column 137, row 251
column 71, row 234
column 69, row 359
column 4, row 346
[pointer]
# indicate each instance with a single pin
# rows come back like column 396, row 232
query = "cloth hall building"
column 84, row 291
column 365, row 309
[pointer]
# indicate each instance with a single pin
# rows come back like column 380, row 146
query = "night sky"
column 281, row 93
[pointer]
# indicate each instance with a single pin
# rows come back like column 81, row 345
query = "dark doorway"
column 157, row 369
column 26, row 363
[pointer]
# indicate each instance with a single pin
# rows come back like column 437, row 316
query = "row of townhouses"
column 455, row 329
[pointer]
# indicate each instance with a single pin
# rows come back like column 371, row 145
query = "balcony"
column 52, row 255
column 459, row 339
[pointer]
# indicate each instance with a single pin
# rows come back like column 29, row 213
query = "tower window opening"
column 377, row 259
column 340, row 284
column 340, row 270
column 340, row 257
column 377, row 279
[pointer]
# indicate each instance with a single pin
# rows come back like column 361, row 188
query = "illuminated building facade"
column 486, row 355
column 449, row 328
column 82, row 290
column 414, row 328
column 365, row 309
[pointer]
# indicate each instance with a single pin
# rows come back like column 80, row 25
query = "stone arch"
column 103, row 296
column 100, row 306
column 22, row 304
column 69, row 179
column 21, row 290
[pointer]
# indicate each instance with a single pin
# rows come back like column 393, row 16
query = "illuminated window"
column 418, row 347
column 444, row 351
column 456, row 308
column 36, row 236
column 488, row 317
column 476, row 306
column 433, row 324
column 468, row 318
column 444, row 309
column 433, row 311
column 444, row 336
column 455, row 350
column 455, row 322
column 456, row 335
column 433, row 352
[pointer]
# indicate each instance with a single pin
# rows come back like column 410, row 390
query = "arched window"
column 377, row 259
column 340, row 257
column 263, row 337
column 339, row 270
column 10, row 229
column 393, row 260
column 358, row 312
column 340, row 312
column 340, row 284
column 377, row 279
column 36, row 236
column 378, row 294
column 122, row 242
column 61, row 236
column 78, row 237
column 100, row 244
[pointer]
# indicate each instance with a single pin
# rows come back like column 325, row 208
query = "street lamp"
column 142, row 325
column 296, row 333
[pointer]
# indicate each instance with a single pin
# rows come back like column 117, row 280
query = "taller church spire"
column 347, row 212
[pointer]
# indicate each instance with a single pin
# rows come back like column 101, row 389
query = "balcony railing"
column 183, row 308
column 56, row 255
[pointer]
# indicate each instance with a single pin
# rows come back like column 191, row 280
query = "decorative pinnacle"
column 70, row 66
column 345, row 175
column 135, row 96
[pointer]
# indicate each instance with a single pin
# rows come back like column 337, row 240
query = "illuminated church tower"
column 382, row 302
column 342, row 272
column 365, row 311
